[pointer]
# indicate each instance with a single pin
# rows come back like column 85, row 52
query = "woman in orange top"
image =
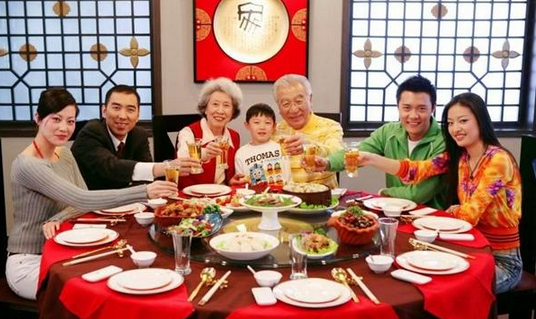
column 484, row 184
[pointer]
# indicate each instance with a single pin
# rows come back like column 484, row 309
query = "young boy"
column 261, row 160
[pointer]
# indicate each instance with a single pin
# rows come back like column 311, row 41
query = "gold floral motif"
column 3, row 52
column 98, row 52
column 367, row 53
column 505, row 54
column 439, row 11
column 299, row 25
column 134, row 52
column 402, row 54
column 471, row 54
column 28, row 52
column 203, row 24
column 61, row 8
column 251, row 73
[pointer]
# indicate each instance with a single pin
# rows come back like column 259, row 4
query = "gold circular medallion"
column 28, row 52
column 98, row 52
column 202, row 24
column 252, row 31
column 251, row 73
column 299, row 25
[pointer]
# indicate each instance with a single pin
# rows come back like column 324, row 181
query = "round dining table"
column 64, row 294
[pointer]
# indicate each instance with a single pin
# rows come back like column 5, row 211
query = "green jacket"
column 391, row 141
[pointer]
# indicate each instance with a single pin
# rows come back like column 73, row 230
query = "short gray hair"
column 289, row 80
column 224, row 85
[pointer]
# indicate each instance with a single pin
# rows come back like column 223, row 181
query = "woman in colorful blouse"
column 484, row 184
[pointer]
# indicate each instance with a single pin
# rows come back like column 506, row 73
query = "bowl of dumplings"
column 244, row 245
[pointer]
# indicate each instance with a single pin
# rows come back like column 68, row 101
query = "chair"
column 521, row 302
column 163, row 124
column 337, row 117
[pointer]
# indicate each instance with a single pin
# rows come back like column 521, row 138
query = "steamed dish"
column 317, row 244
column 305, row 188
column 244, row 243
column 313, row 195
column 269, row 200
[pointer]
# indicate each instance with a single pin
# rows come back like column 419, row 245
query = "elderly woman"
column 219, row 103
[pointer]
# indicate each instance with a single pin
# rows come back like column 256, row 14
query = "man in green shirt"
column 416, row 136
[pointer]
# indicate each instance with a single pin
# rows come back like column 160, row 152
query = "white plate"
column 312, row 291
column 432, row 260
column 111, row 235
column 379, row 203
column 218, row 241
column 443, row 224
column 234, row 208
column 297, row 210
column 461, row 264
column 176, row 281
column 122, row 210
column 279, row 292
column 144, row 279
column 83, row 236
column 296, row 201
column 211, row 190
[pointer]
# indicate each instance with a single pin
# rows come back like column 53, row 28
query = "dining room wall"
column 179, row 92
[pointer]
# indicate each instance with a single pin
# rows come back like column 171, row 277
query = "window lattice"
column 86, row 46
column 459, row 45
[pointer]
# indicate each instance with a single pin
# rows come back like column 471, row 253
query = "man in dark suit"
column 114, row 152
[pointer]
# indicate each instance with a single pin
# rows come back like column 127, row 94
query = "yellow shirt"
column 326, row 134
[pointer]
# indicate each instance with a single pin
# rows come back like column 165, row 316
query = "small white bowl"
column 243, row 192
column 156, row 202
column 143, row 259
column 144, row 219
column 338, row 192
column 267, row 278
column 379, row 263
column 425, row 235
column 392, row 211
column 225, row 212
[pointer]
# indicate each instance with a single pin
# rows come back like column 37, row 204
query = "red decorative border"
column 211, row 61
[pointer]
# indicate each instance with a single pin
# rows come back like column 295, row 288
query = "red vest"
column 209, row 169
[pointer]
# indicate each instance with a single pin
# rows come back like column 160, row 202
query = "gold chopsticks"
column 359, row 280
column 120, row 244
column 213, row 290
column 89, row 258
column 417, row 244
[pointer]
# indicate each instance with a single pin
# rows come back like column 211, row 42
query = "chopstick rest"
column 409, row 276
column 460, row 237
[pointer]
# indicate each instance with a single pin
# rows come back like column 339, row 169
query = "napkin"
column 77, row 226
column 460, row 237
column 409, row 276
column 423, row 211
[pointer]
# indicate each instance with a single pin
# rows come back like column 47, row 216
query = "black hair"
column 121, row 88
column 477, row 106
column 260, row 109
column 54, row 100
column 417, row 84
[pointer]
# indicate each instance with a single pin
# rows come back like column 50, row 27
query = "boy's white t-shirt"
column 263, row 163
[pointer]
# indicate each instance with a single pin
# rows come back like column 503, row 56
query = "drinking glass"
column 311, row 151
column 281, row 135
column 351, row 161
column 298, row 258
column 172, row 171
column 221, row 159
column 194, row 149
column 388, row 228
column 182, row 243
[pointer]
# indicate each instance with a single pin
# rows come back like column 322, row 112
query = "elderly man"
column 293, row 95
column 416, row 136
column 114, row 152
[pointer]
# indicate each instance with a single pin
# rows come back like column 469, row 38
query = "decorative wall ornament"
column 61, row 8
column 471, row 54
column 367, row 53
column 402, row 54
column 134, row 52
column 250, row 40
column 439, row 11
column 98, row 52
column 28, row 52
column 3, row 52
column 505, row 54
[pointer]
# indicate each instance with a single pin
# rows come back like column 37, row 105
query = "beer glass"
column 351, row 161
column 281, row 135
column 221, row 159
column 311, row 151
column 172, row 172
column 194, row 149
column 297, row 258
column 182, row 243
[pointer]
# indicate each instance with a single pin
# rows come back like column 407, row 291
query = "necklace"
column 38, row 150
column 477, row 163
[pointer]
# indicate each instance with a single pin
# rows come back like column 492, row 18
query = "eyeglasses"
column 288, row 104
